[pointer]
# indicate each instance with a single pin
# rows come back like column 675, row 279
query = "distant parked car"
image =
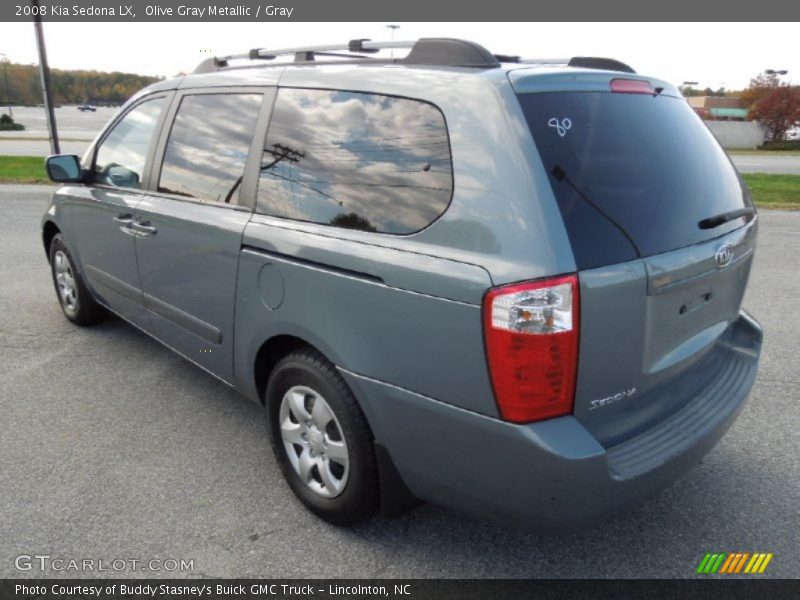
column 87, row 107
column 794, row 134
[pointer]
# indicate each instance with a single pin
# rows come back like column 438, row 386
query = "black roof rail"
column 358, row 46
column 425, row 51
column 450, row 52
column 508, row 58
column 596, row 62
column 210, row 65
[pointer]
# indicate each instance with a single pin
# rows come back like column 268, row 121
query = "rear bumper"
column 552, row 475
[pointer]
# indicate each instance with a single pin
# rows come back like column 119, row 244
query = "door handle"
column 125, row 220
column 143, row 227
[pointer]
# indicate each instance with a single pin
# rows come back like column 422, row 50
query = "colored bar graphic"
column 753, row 562
column 702, row 566
column 710, row 564
column 741, row 562
column 766, row 562
column 718, row 563
column 726, row 566
column 734, row 562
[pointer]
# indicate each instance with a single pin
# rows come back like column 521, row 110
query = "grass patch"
column 784, row 145
column 771, row 190
column 22, row 169
column 752, row 152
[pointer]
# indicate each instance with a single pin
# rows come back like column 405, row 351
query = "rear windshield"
column 631, row 170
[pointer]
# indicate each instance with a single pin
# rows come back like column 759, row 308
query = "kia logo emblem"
column 724, row 256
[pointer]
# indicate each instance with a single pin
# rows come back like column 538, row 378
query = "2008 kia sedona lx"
column 508, row 287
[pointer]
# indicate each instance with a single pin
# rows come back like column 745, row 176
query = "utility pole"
column 44, row 74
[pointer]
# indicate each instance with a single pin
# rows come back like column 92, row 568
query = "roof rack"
column 586, row 62
column 427, row 51
column 596, row 62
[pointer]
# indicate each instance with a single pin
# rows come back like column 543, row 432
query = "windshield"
column 632, row 173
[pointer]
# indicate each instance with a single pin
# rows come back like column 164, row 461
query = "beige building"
column 720, row 108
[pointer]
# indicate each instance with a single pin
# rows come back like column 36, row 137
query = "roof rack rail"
column 596, row 62
column 425, row 51
column 586, row 62
column 544, row 61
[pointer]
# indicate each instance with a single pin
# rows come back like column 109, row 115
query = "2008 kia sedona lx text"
column 508, row 287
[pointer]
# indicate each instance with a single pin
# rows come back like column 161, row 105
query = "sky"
column 712, row 54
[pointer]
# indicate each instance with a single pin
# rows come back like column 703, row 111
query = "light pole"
column 775, row 75
column 687, row 86
column 393, row 28
column 5, row 77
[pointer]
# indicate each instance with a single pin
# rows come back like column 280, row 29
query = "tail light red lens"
column 531, row 333
column 632, row 86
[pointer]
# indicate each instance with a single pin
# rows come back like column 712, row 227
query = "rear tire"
column 75, row 299
column 321, row 439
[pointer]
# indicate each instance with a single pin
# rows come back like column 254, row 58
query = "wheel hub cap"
column 314, row 441
column 65, row 281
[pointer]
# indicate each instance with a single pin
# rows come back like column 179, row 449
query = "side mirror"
column 63, row 168
column 121, row 177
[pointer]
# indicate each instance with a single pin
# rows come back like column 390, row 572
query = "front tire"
column 321, row 439
column 76, row 301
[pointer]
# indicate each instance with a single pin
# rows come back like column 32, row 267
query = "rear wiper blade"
column 719, row 219
column 561, row 175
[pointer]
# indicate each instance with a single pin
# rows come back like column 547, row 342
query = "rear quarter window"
column 354, row 160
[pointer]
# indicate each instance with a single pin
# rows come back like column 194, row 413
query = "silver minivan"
column 509, row 287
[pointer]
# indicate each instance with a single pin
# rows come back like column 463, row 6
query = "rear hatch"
column 662, row 229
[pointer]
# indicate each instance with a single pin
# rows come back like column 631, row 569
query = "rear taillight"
column 632, row 86
column 531, row 332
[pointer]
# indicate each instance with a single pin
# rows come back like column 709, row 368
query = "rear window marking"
column 561, row 126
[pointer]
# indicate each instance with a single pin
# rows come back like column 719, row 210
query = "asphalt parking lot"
column 788, row 165
column 75, row 128
column 72, row 123
column 113, row 447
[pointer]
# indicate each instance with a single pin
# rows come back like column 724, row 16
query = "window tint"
column 122, row 155
column 646, row 163
column 208, row 146
column 360, row 161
